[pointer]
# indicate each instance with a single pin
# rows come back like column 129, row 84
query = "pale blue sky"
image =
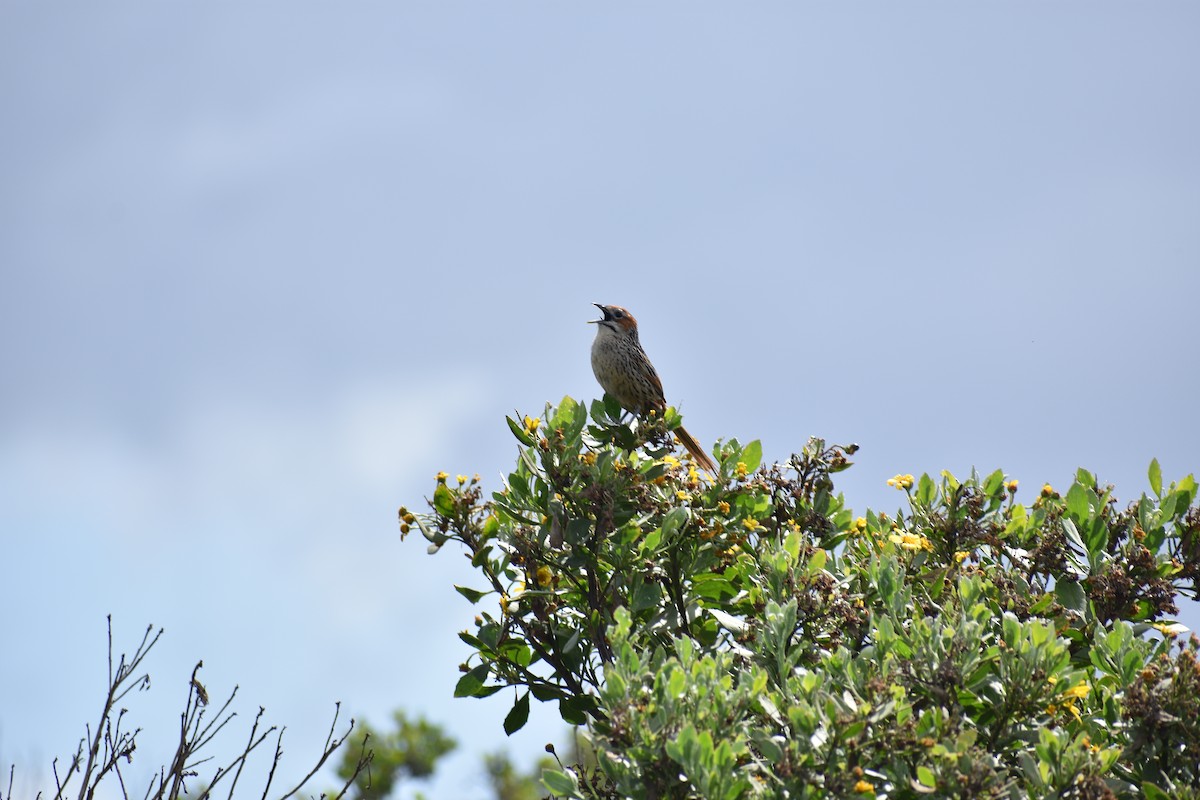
column 269, row 267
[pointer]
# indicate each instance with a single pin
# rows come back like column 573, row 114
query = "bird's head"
column 615, row 319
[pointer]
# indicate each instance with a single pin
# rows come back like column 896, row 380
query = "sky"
column 266, row 268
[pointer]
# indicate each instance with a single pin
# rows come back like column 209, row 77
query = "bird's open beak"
column 603, row 311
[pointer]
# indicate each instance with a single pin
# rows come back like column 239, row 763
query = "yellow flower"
column 1048, row 491
column 531, row 425
column 740, row 470
column 588, row 458
column 1079, row 691
column 671, row 461
column 1053, row 679
column 901, row 482
column 441, row 477
column 863, row 787
column 682, row 495
column 461, row 479
column 544, row 576
column 860, row 524
column 1169, row 629
column 1011, row 486
column 960, row 555
column 911, row 541
column 723, row 507
column 750, row 524
column 693, row 476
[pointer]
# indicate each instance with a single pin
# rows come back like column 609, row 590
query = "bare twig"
column 274, row 762
column 109, row 741
column 365, row 757
column 118, row 687
column 250, row 745
column 331, row 744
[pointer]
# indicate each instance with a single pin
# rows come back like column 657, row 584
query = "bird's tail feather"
column 693, row 447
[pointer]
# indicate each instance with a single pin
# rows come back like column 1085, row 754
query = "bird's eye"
column 618, row 315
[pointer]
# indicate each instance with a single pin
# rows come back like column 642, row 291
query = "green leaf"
column 574, row 710
column 517, row 652
column 558, row 783
column 518, row 716
column 925, row 776
column 473, row 595
column 443, row 500
column 518, row 430
column 480, row 558
column 1071, row 595
column 565, row 416
column 993, row 482
column 677, row 683
column 1168, row 505
column 925, row 490
column 1077, row 503
column 473, row 641
column 471, row 684
column 1152, row 792
column 673, row 521
column 543, row 692
column 791, row 546
column 489, row 634
column 645, row 596
column 712, row 586
column 1155, row 477
column 1097, row 540
column 1074, row 540
column 650, row 543
column 1187, row 488
column 752, row 456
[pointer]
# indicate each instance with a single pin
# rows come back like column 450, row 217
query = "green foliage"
column 747, row 635
column 411, row 750
column 509, row 783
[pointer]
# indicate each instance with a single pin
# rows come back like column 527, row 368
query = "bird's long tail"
column 693, row 447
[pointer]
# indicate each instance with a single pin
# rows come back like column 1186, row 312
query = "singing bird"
column 625, row 372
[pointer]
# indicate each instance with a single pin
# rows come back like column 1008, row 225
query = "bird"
column 625, row 373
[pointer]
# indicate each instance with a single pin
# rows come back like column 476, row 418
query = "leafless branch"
column 365, row 757
column 331, row 744
column 110, row 741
